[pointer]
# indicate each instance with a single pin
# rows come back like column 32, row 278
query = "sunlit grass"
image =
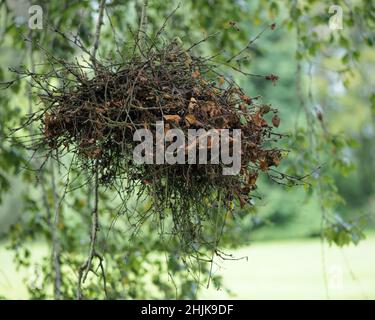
column 13, row 281
column 294, row 270
column 288, row 269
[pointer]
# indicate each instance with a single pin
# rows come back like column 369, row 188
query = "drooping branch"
column 53, row 215
column 87, row 266
column 56, row 249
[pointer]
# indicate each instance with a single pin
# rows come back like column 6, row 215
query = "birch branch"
column 97, row 32
column 87, row 266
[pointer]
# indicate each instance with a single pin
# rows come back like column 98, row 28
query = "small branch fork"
column 87, row 266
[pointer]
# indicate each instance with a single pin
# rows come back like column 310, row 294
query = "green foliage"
column 343, row 233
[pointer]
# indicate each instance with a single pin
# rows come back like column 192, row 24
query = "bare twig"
column 87, row 266
column 56, row 250
column 143, row 23
column 97, row 32
column 251, row 41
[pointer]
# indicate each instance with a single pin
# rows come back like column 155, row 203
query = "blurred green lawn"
column 293, row 269
column 12, row 281
column 288, row 269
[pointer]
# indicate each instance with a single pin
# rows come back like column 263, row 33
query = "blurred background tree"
column 326, row 99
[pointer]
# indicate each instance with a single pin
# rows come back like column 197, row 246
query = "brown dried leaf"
column 196, row 91
column 252, row 179
column 190, row 118
column 172, row 118
column 97, row 152
column 192, row 104
column 196, row 74
column 276, row 121
column 241, row 198
column 258, row 120
column 246, row 99
column 221, row 80
column 211, row 109
column 167, row 96
column 263, row 165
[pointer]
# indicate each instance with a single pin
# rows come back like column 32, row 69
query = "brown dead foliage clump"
column 92, row 112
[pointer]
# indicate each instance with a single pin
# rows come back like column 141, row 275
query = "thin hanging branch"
column 53, row 221
column 87, row 266
column 56, row 249
column 313, row 149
